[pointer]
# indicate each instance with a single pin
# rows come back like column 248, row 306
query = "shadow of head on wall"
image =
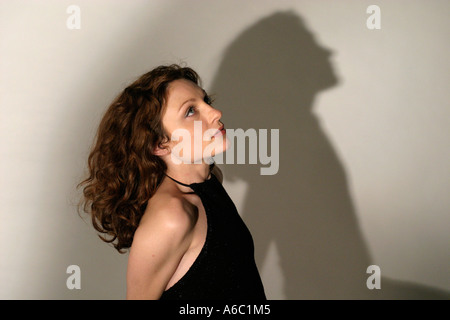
column 268, row 79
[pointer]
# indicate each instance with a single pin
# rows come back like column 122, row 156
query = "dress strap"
column 183, row 184
column 211, row 166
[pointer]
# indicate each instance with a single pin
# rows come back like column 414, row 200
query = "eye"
column 190, row 112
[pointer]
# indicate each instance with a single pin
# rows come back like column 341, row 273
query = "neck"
column 188, row 173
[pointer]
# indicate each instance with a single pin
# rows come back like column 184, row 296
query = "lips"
column 220, row 132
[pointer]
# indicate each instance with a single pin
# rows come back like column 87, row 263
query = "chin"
column 217, row 147
column 221, row 145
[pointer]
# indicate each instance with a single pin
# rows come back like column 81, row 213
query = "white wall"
column 365, row 181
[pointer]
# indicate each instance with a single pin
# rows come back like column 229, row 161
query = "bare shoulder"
column 162, row 238
column 218, row 173
column 164, row 216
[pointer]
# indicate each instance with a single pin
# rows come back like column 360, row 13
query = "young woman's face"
column 192, row 123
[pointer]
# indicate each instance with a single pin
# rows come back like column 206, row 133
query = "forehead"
column 181, row 90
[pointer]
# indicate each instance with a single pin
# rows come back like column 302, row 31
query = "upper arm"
column 158, row 246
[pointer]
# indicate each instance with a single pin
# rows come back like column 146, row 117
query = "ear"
column 161, row 150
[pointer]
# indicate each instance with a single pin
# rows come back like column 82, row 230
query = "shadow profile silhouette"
column 268, row 78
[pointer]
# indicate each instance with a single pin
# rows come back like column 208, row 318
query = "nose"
column 214, row 115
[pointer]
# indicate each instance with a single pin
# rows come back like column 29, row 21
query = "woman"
column 186, row 238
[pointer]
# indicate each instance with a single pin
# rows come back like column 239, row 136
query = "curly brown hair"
column 124, row 173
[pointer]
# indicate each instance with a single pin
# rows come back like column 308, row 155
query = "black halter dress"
column 225, row 269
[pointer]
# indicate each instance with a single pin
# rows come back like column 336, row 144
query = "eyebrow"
column 192, row 100
column 189, row 100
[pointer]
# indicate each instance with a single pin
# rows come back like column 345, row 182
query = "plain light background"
column 364, row 125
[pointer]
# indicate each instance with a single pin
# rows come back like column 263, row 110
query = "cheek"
column 199, row 133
